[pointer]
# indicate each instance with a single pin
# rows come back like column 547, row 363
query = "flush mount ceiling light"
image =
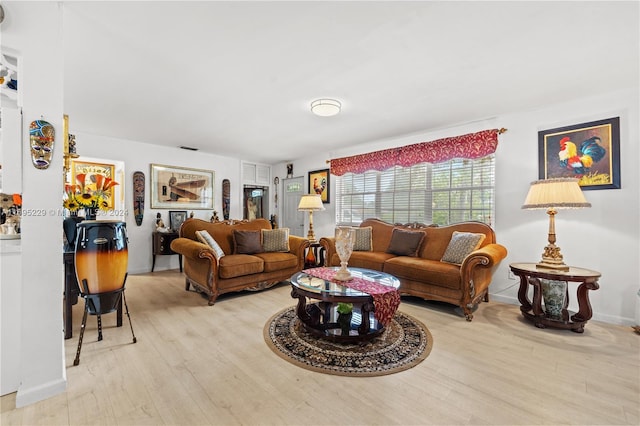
column 325, row 107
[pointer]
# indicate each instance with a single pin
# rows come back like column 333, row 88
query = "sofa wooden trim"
column 475, row 272
column 202, row 270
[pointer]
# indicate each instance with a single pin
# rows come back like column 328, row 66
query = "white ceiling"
column 236, row 78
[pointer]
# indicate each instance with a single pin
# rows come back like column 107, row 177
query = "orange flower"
column 17, row 200
column 71, row 189
column 99, row 181
column 108, row 184
column 80, row 178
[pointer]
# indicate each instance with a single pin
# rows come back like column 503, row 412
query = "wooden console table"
column 532, row 310
column 162, row 246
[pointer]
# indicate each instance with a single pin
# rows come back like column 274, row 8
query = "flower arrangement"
column 82, row 196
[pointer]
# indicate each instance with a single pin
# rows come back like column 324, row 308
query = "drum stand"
column 98, row 304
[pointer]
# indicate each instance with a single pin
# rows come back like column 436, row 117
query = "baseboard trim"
column 38, row 393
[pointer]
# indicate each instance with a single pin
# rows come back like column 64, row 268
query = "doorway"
column 293, row 189
column 256, row 202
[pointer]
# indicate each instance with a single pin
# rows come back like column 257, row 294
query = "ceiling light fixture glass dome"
column 325, row 107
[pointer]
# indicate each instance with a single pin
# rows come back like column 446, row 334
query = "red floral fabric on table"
column 472, row 145
column 385, row 299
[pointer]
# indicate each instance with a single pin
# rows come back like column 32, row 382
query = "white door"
column 293, row 219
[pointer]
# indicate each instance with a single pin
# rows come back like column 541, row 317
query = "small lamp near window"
column 553, row 194
column 311, row 203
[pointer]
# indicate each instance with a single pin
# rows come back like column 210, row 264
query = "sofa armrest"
column 477, row 270
column 297, row 245
column 192, row 249
column 329, row 245
column 489, row 256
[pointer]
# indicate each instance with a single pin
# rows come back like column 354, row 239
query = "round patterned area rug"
column 404, row 343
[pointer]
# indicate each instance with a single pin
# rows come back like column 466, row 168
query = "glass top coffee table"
column 320, row 315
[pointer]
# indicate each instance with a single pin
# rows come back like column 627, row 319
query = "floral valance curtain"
column 472, row 145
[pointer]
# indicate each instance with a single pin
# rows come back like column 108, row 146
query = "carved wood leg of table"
column 301, row 310
column 538, row 313
column 366, row 323
column 585, row 312
column 523, row 297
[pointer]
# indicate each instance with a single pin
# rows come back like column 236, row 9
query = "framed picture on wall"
column 587, row 151
column 181, row 187
column 319, row 184
column 176, row 217
column 89, row 170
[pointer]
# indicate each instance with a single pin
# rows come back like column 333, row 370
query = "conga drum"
column 101, row 258
column 101, row 268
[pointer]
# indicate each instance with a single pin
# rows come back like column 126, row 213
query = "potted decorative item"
column 82, row 196
column 553, row 294
column 345, row 312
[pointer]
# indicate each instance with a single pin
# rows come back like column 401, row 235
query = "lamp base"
column 558, row 266
column 551, row 256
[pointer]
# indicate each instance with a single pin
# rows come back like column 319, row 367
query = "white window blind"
column 454, row 191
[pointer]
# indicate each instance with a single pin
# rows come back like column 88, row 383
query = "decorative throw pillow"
column 461, row 245
column 205, row 238
column 363, row 239
column 247, row 242
column 275, row 239
column 405, row 243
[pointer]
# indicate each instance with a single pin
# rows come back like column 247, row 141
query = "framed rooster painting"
column 587, row 151
column 319, row 184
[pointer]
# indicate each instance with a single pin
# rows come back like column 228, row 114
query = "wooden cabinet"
column 162, row 246
column 256, row 174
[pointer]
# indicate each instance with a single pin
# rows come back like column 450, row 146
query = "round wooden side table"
column 531, row 274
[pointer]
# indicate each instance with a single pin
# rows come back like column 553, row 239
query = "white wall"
column 605, row 237
column 138, row 156
column 35, row 34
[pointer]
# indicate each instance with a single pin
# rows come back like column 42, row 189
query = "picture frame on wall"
column 319, row 183
column 176, row 217
column 181, row 187
column 587, row 151
column 89, row 169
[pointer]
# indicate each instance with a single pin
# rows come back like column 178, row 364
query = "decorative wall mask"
column 41, row 139
column 138, row 197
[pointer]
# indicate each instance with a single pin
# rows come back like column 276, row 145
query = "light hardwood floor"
column 198, row 365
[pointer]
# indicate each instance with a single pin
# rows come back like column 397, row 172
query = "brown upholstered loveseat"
column 234, row 272
column 425, row 275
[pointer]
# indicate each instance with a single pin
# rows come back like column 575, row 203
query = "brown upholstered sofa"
column 234, row 272
column 424, row 274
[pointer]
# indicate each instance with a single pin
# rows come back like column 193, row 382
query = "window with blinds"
column 454, row 191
